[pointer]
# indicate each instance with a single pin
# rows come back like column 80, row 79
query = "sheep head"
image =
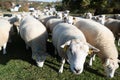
column 76, row 51
column 110, row 66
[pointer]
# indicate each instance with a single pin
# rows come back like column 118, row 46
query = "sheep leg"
column 4, row 48
column 61, row 68
column 92, row 58
column 90, row 63
column 18, row 31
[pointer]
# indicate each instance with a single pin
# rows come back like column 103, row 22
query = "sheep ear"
column 66, row 44
column 92, row 48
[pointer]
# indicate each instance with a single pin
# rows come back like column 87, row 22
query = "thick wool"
column 34, row 34
column 100, row 37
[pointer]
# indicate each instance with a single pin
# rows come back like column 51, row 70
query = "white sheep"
column 71, row 45
column 114, row 26
column 5, row 28
column 51, row 23
column 69, row 19
column 100, row 19
column 45, row 18
column 102, row 38
column 88, row 15
column 34, row 33
column 59, row 15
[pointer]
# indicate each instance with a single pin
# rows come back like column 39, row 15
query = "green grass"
column 18, row 65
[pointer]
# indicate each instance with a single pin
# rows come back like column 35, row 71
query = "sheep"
column 71, row 45
column 45, row 18
column 100, row 19
column 34, row 33
column 88, row 15
column 5, row 29
column 97, row 18
column 51, row 23
column 69, row 19
column 59, row 15
column 102, row 38
column 114, row 26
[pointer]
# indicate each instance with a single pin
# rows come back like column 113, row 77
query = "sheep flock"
column 74, row 38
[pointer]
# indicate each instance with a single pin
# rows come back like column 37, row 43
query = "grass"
column 18, row 65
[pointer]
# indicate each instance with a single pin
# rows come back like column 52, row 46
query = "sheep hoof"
column 60, row 71
column 90, row 64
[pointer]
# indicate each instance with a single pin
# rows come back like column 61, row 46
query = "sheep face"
column 76, row 52
column 68, row 19
column 110, row 66
column 39, row 59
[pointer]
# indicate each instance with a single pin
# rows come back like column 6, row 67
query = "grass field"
column 18, row 65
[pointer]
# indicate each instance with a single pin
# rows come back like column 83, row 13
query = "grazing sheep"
column 114, row 26
column 103, row 39
column 5, row 28
column 51, row 23
column 71, row 45
column 34, row 34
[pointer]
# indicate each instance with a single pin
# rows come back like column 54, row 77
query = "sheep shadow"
column 94, row 71
column 16, row 50
column 50, row 50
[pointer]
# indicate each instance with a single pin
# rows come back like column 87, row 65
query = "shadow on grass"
column 48, row 63
column 91, row 70
column 16, row 50
column 53, row 64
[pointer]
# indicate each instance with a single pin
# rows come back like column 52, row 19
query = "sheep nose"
column 77, row 70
